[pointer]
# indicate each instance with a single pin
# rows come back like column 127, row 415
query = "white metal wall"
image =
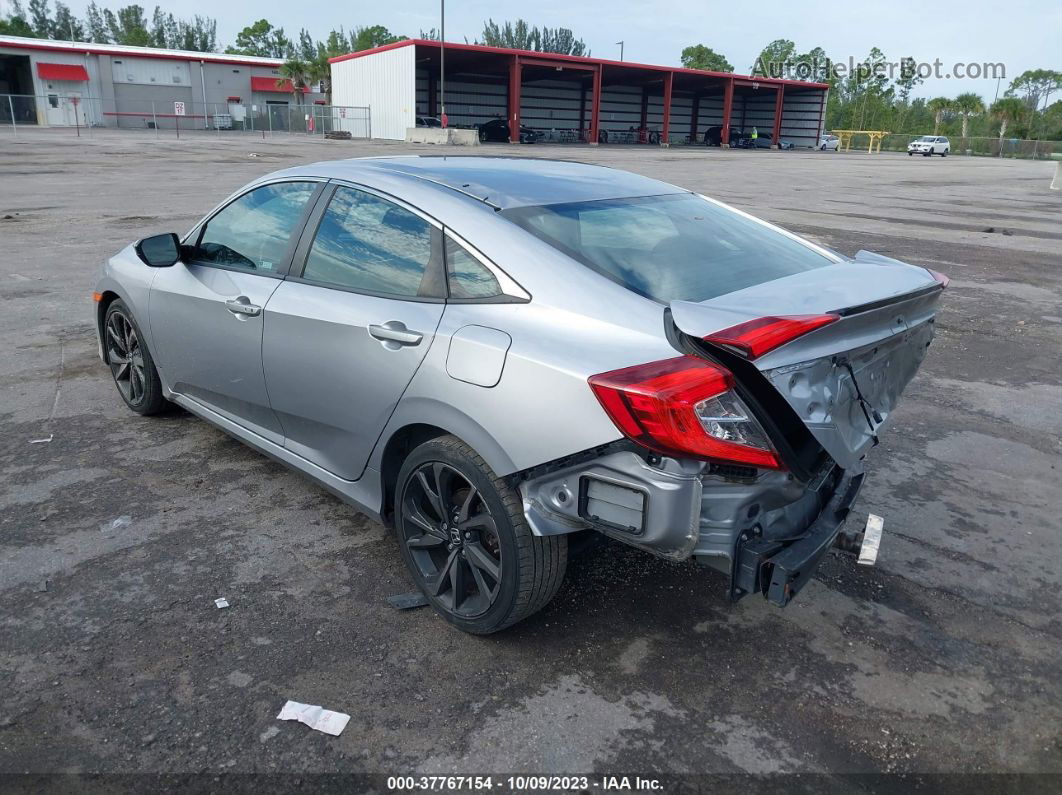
column 386, row 83
column 152, row 71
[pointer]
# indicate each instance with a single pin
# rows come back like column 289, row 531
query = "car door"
column 351, row 324
column 207, row 313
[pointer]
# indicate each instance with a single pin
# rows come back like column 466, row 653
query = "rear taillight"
column 940, row 278
column 756, row 337
column 684, row 407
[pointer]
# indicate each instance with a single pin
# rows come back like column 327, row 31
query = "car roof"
column 503, row 182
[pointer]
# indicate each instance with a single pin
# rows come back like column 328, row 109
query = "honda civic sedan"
column 491, row 354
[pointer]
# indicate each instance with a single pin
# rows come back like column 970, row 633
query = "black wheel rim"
column 125, row 357
column 452, row 539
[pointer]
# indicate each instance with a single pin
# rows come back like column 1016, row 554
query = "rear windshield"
column 667, row 248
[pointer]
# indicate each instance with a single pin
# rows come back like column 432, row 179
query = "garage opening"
column 521, row 96
column 16, row 81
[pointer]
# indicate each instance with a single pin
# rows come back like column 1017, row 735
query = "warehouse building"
column 56, row 83
column 570, row 98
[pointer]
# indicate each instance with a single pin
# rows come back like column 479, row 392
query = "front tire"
column 132, row 367
column 465, row 540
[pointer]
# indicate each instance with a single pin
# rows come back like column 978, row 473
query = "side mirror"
column 160, row 251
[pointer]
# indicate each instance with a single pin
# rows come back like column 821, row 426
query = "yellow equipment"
column 846, row 138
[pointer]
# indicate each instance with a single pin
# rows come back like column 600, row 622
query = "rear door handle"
column 395, row 331
column 242, row 306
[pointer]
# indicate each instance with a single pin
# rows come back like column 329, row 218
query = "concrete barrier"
column 437, row 135
column 1056, row 183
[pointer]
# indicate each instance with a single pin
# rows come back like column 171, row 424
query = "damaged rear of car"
column 490, row 354
column 747, row 448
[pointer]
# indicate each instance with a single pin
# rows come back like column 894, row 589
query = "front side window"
column 672, row 247
column 371, row 245
column 467, row 276
column 253, row 233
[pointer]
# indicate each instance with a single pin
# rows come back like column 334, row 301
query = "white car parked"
column 829, row 142
column 929, row 145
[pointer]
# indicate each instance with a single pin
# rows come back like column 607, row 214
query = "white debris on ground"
column 220, row 603
column 319, row 718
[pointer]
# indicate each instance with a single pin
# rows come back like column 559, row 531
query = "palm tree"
column 967, row 105
column 320, row 71
column 298, row 72
column 1006, row 111
column 939, row 106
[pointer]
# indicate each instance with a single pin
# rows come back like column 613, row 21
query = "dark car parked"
column 498, row 130
column 713, row 136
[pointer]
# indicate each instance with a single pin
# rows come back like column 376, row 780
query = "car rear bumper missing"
column 764, row 529
column 779, row 569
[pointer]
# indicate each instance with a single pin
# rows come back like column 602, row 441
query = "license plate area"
column 611, row 504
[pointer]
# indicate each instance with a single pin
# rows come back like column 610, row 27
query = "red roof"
column 741, row 79
column 62, row 71
column 270, row 84
column 119, row 50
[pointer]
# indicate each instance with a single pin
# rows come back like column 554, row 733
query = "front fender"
column 125, row 276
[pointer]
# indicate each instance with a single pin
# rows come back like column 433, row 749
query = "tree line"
column 869, row 98
column 125, row 25
column 873, row 98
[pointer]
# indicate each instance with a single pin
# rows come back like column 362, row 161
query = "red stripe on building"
column 279, row 85
column 62, row 71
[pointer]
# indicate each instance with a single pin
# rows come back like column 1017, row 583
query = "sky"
column 1020, row 34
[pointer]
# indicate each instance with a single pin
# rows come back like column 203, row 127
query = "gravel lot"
column 113, row 658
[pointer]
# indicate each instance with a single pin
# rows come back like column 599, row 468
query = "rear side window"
column 370, row 245
column 467, row 276
column 674, row 247
column 253, row 233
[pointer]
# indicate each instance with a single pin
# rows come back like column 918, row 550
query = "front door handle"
column 395, row 331
column 242, row 306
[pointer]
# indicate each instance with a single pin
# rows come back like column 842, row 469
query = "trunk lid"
column 844, row 379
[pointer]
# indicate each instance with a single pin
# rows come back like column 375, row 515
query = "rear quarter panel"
column 542, row 408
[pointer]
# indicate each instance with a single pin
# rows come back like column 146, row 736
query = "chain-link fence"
column 173, row 118
column 977, row 146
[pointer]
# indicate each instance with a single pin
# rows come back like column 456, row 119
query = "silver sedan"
column 492, row 355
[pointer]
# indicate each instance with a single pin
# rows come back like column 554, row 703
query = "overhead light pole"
column 442, row 62
column 620, row 43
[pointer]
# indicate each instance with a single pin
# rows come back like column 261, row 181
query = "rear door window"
column 367, row 244
column 468, row 278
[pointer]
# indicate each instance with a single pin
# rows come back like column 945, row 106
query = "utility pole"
column 620, row 43
column 442, row 62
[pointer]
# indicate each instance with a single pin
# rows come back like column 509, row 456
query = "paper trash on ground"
column 319, row 718
column 222, row 602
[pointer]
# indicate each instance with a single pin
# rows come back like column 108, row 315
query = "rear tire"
column 944, row 153
column 465, row 540
column 132, row 367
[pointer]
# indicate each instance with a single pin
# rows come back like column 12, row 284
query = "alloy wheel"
column 125, row 357
column 452, row 539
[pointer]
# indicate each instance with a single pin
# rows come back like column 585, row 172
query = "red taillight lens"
column 684, row 407
column 942, row 280
column 762, row 335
